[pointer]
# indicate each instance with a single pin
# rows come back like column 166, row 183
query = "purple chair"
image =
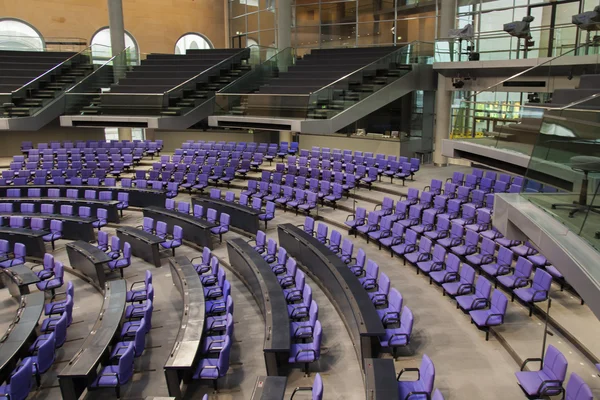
column 485, row 255
column 501, row 265
column 520, row 277
column 102, row 220
column 123, row 202
column 538, row 291
column 308, row 226
column 434, row 263
column 442, row 229
column 423, row 386
column 408, row 246
column 395, row 237
column 19, row 384
column 56, row 228
column 478, row 299
column 346, row 251
column 549, row 380
column 400, row 336
column 55, row 282
column 469, row 246
column 492, row 316
column 19, row 253
column 117, row 375
column 421, row 253
column 177, row 239
column 321, row 233
column 384, row 230
column 123, row 262
column 223, row 226
column 386, row 207
column 357, row 267
column 463, row 285
column 427, row 222
column 449, row 274
column 269, row 212
column 47, row 270
column 183, row 207
column 369, row 280
column 307, row 352
column 358, row 220
column 215, row 368
column 17, row 222
column 435, row 187
column 371, row 225
column 577, row 389
column 309, row 204
column 414, row 216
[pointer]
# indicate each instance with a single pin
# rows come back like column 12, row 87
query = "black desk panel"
column 94, row 205
column 269, row 388
column 21, row 333
column 242, row 217
column 195, row 230
column 184, row 357
column 340, row 285
column 17, row 279
column 31, row 239
column 260, row 280
column 74, row 228
column 81, row 370
column 89, row 260
column 143, row 244
column 380, row 379
column 137, row 197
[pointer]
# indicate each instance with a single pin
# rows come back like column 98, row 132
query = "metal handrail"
column 23, row 87
column 97, row 69
column 206, row 71
column 525, row 71
column 220, row 92
column 366, row 66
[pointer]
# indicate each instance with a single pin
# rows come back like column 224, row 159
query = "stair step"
column 170, row 113
column 28, row 103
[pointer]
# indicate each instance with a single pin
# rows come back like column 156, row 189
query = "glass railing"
column 11, row 101
column 35, row 43
column 499, row 45
column 95, row 92
column 508, row 116
column 563, row 177
column 86, row 92
column 366, row 81
column 240, row 97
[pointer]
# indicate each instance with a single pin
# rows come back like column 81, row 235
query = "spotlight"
column 458, row 83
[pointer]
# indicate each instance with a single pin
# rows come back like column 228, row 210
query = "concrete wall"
column 155, row 24
column 11, row 141
column 174, row 139
column 387, row 147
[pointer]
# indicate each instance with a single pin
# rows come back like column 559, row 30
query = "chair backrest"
column 372, row 269
column 505, row 256
column 125, row 366
column 170, row 204
column 499, row 304
column 271, row 247
column 322, row 230
column 411, row 237
column 36, row 224
column 211, row 215
column 425, row 245
column 397, row 230
column 56, row 226
column 483, row 288
column 427, row 374
column 523, row 267
column 336, row 238
column 161, row 229
column 555, row 364
column 361, row 257
column 384, row 283
column 472, row 238
column 317, row 389
column 452, row 263
column 439, row 253
column 20, row 380
column 467, row 274
column 577, row 389
column 406, row 320
column 395, row 300
column 183, row 207
column 224, row 220
column 541, row 284
column 488, row 247
column 373, row 219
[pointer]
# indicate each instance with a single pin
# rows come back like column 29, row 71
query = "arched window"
column 19, row 35
column 192, row 41
column 101, row 49
column 251, row 42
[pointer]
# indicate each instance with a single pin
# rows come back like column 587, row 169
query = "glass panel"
column 237, row 26
column 307, row 15
column 103, row 53
column 338, row 35
column 237, row 7
column 305, row 36
column 267, row 20
column 376, row 33
column 338, row 13
column 191, row 41
column 267, row 38
column 252, row 22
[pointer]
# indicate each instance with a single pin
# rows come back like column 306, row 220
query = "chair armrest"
column 521, row 280
column 377, row 205
column 418, row 393
column 478, row 301
column 424, row 257
column 397, row 240
column 417, row 370
column 437, row 266
column 543, row 388
column 488, row 259
column 539, row 291
column 410, row 248
column 463, row 286
column 450, row 275
column 528, row 360
column 457, row 242
column 300, row 389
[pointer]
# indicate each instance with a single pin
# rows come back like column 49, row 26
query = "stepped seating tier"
column 20, row 88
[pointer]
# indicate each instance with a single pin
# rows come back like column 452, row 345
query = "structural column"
column 284, row 24
column 117, row 34
column 125, row 134
column 443, row 97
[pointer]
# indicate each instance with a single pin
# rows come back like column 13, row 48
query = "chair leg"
column 38, row 379
column 215, row 386
column 173, row 251
column 487, row 335
column 118, row 391
column 53, row 245
column 121, row 271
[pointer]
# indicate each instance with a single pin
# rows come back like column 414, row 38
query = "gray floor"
column 467, row 367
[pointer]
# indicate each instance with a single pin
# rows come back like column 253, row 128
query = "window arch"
column 192, row 41
column 19, row 35
column 101, row 52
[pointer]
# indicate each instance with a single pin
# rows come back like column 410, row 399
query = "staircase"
column 37, row 98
